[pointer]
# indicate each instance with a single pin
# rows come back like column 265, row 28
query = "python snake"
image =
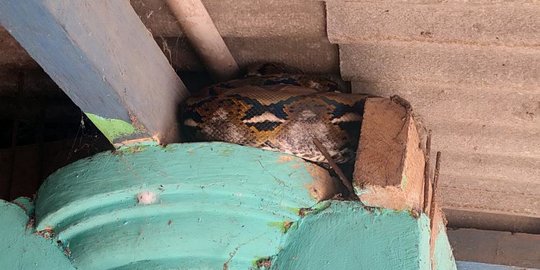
column 278, row 111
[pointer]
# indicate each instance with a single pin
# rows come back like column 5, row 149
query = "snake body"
column 278, row 112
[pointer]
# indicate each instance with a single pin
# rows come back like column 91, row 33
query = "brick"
column 440, row 63
column 509, row 24
column 243, row 18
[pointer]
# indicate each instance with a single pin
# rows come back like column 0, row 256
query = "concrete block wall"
column 471, row 70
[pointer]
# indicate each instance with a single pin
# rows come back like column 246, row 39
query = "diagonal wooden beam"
column 105, row 60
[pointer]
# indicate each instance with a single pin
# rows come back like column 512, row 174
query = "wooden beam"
column 389, row 169
column 495, row 247
column 205, row 38
column 106, row 61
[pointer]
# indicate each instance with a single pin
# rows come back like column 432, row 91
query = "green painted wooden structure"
column 206, row 206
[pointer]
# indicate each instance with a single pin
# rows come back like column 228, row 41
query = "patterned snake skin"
column 278, row 111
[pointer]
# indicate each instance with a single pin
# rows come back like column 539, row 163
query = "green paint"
column 314, row 209
column 216, row 205
column 227, row 151
column 215, row 202
column 21, row 248
column 26, row 204
column 135, row 148
column 113, row 129
column 444, row 259
column 283, row 226
column 347, row 236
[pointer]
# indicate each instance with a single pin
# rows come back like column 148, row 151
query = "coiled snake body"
column 279, row 112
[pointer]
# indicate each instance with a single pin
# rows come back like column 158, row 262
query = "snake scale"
column 279, row 110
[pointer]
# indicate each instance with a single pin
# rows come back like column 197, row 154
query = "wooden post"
column 105, row 60
column 389, row 169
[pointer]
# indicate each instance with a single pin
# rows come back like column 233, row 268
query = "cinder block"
column 242, row 18
column 441, row 63
column 510, row 24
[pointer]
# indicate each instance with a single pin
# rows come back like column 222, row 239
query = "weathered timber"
column 389, row 169
column 102, row 56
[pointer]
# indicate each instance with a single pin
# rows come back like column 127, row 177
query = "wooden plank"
column 389, row 168
column 381, row 141
column 102, row 56
column 495, row 247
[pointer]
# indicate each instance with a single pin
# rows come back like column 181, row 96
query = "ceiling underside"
column 475, row 83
